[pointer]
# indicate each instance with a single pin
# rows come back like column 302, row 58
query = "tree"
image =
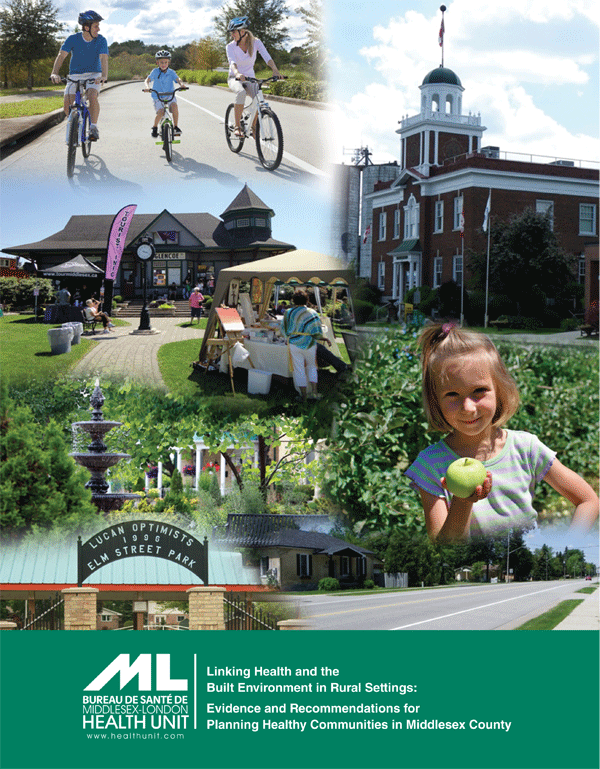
column 526, row 263
column 207, row 53
column 29, row 32
column 314, row 50
column 40, row 484
column 266, row 21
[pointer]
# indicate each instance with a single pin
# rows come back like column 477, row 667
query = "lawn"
column 30, row 107
column 550, row 619
column 26, row 352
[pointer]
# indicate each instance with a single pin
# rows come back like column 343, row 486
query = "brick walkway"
column 121, row 354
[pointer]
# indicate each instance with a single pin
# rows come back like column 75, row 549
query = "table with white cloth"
column 270, row 356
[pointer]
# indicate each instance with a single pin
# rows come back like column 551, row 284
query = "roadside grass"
column 588, row 589
column 550, row 619
column 35, row 89
column 26, row 352
column 30, row 107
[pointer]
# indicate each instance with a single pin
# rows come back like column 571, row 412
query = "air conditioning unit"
column 491, row 152
column 569, row 163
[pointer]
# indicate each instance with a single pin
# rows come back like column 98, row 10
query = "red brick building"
column 419, row 223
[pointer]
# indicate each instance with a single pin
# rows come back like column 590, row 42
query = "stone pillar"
column 7, row 625
column 206, row 609
column 293, row 624
column 80, row 608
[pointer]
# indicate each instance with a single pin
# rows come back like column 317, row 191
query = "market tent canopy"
column 301, row 267
column 79, row 267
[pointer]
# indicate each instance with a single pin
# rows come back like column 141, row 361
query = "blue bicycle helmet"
column 89, row 17
column 239, row 22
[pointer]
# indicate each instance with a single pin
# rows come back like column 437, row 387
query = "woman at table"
column 302, row 328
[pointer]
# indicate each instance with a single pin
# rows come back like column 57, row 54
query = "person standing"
column 195, row 300
column 302, row 328
column 89, row 61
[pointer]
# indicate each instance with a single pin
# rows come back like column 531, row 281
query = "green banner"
column 301, row 699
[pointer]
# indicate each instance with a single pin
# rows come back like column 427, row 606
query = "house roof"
column 245, row 200
column 284, row 531
column 54, row 562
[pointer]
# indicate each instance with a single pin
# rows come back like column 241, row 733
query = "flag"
column 367, row 233
column 441, row 35
column 116, row 240
column 461, row 222
column 486, row 215
column 171, row 236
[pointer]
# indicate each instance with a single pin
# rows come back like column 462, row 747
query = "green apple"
column 464, row 475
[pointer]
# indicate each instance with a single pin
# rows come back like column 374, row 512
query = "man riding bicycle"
column 89, row 61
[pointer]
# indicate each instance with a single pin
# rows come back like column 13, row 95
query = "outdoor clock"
column 145, row 251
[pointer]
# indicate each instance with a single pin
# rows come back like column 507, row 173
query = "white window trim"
column 381, row 275
column 458, row 208
column 593, row 207
column 396, row 224
column 545, row 207
column 455, row 272
column 439, row 205
column 382, row 225
column 437, row 261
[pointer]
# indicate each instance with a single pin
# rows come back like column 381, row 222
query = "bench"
column 588, row 330
column 89, row 320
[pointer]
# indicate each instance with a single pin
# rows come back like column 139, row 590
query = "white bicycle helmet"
column 162, row 55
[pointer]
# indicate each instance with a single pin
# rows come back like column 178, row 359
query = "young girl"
column 469, row 394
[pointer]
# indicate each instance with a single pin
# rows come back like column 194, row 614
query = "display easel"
column 229, row 330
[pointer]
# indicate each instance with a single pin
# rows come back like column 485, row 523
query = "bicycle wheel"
column 235, row 143
column 269, row 139
column 86, row 142
column 73, row 141
column 167, row 138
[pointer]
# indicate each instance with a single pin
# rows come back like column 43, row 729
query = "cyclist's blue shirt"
column 85, row 57
column 163, row 82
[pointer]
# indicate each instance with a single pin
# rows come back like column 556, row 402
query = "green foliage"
column 267, row 21
column 202, row 77
column 18, row 292
column 328, row 585
column 380, row 425
column 40, row 485
column 415, row 555
column 206, row 53
column 368, row 584
column 29, row 30
column 526, row 263
column 176, row 482
column 315, row 50
column 307, row 90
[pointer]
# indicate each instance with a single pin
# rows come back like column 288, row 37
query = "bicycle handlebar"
column 170, row 94
column 264, row 79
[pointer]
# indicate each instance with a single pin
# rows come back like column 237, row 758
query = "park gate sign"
column 147, row 538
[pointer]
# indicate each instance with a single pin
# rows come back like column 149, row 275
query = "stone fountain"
column 97, row 460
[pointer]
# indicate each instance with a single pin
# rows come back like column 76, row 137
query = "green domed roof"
column 442, row 75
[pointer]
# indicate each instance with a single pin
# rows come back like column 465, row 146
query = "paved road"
column 127, row 157
column 477, row 607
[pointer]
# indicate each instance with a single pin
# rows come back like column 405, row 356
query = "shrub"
column 368, row 584
column 18, row 292
column 202, row 77
column 307, row 90
column 569, row 324
column 328, row 584
column 362, row 310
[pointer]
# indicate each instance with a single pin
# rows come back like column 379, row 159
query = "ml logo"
column 142, row 668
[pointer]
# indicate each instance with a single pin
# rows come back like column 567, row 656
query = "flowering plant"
column 211, row 467
column 189, row 470
column 152, row 472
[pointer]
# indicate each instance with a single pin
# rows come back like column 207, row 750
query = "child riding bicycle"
column 241, row 54
column 163, row 79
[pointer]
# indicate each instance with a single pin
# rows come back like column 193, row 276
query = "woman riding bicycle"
column 241, row 54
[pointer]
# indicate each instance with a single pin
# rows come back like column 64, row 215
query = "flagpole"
column 442, row 30
column 462, row 283
column 487, row 266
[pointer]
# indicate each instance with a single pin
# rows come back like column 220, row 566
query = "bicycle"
column 78, row 124
column 268, row 134
column 166, row 127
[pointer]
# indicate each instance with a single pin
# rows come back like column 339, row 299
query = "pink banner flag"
column 116, row 240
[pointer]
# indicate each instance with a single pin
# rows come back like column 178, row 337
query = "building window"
column 382, row 224
column 243, row 223
column 438, row 224
column 411, row 219
column 260, row 222
column 397, row 224
column 106, row 618
column 344, row 566
column 381, row 276
column 581, row 272
column 264, row 565
column 587, row 219
column 546, row 207
column 180, row 618
column 458, row 213
column 303, row 564
column 437, row 272
column 457, row 270
column 361, row 566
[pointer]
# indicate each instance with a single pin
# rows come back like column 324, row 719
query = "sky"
column 559, row 538
column 172, row 22
column 529, row 67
